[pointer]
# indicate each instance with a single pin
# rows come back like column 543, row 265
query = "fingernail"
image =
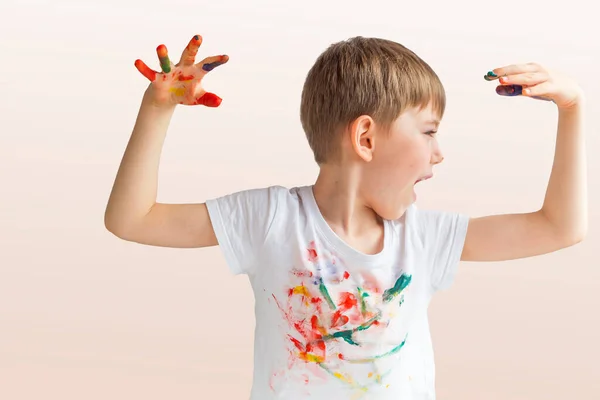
column 491, row 75
column 509, row 90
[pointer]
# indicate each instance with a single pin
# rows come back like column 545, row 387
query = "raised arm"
column 132, row 212
column 562, row 220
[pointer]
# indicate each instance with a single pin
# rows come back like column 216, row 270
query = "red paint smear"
column 341, row 356
column 145, row 70
column 185, row 77
column 347, row 301
column 312, row 255
column 300, row 329
column 161, row 50
column 302, row 274
column 297, row 343
column 321, row 345
column 317, row 302
column 346, row 275
column 314, row 323
column 209, row 100
column 339, row 319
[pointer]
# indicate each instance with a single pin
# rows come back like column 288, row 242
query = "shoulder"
column 258, row 202
column 427, row 222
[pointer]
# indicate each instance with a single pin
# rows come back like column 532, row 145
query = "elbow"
column 572, row 238
column 123, row 225
column 579, row 233
column 570, row 233
column 578, row 238
column 110, row 226
column 114, row 225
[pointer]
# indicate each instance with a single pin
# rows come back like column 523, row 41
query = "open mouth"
column 423, row 178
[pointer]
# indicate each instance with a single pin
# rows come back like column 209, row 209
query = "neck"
column 338, row 195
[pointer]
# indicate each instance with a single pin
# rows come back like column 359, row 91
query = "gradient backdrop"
column 84, row 315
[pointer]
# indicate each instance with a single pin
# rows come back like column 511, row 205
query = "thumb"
column 209, row 100
column 538, row 91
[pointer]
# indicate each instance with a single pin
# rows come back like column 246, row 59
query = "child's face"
column 399, row 159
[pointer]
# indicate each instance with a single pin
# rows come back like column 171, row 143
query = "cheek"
column 419, row 157
column 410, row 162
column 401, row 162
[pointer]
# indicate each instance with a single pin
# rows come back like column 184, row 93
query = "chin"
column 394, row 213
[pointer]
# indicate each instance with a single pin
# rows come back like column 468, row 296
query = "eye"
column 430, row 133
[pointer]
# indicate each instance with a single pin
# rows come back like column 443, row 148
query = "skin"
column 562, row 221
column 132, row 212
column 181, row 83
column 373, row 180
column 376, row 174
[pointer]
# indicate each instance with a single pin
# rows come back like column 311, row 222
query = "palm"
column 181, row 83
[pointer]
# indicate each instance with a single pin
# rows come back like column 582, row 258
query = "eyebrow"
column 435, row 122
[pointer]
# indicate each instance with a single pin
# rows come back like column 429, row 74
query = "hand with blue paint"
column 181, row 83
column 533, row 80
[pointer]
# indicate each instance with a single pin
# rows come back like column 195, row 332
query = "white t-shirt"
column 332, row 322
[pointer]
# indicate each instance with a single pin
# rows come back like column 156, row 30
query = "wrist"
column 149, row 100
column 576, row 105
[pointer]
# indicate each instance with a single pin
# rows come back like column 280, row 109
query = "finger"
column 210, row 63
column 209, row 100
column 490, row 76
column 513, row 69
column 525, row 79
column 509, row 90
column 188, row 57
column 145, row 70
column 519, row 90
column 163, row 57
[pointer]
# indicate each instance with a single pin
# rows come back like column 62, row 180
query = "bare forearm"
column 135, row 188
column 565, row 204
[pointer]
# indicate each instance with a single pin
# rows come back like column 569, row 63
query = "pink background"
column 84, row 315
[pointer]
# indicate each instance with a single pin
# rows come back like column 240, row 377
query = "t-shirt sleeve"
column 241, row 222
column 443, row 235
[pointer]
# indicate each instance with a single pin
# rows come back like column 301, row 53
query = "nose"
column 437, row 156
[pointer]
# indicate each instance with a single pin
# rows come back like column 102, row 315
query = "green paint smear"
column 379, row 356
column 165, row 64
column 399, row 286
column 391, row 352
column 347, row 334
column 361, row 297
column 366, row 361
column 325, row 293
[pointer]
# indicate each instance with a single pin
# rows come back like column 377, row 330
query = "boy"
column 343, row 270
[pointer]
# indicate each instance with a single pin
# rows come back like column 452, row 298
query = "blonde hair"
column 363, row 76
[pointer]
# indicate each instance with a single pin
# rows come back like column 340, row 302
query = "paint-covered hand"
column 181, row 83
column 533, row 80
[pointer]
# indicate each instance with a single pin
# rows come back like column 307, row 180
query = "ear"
column 362, row 137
